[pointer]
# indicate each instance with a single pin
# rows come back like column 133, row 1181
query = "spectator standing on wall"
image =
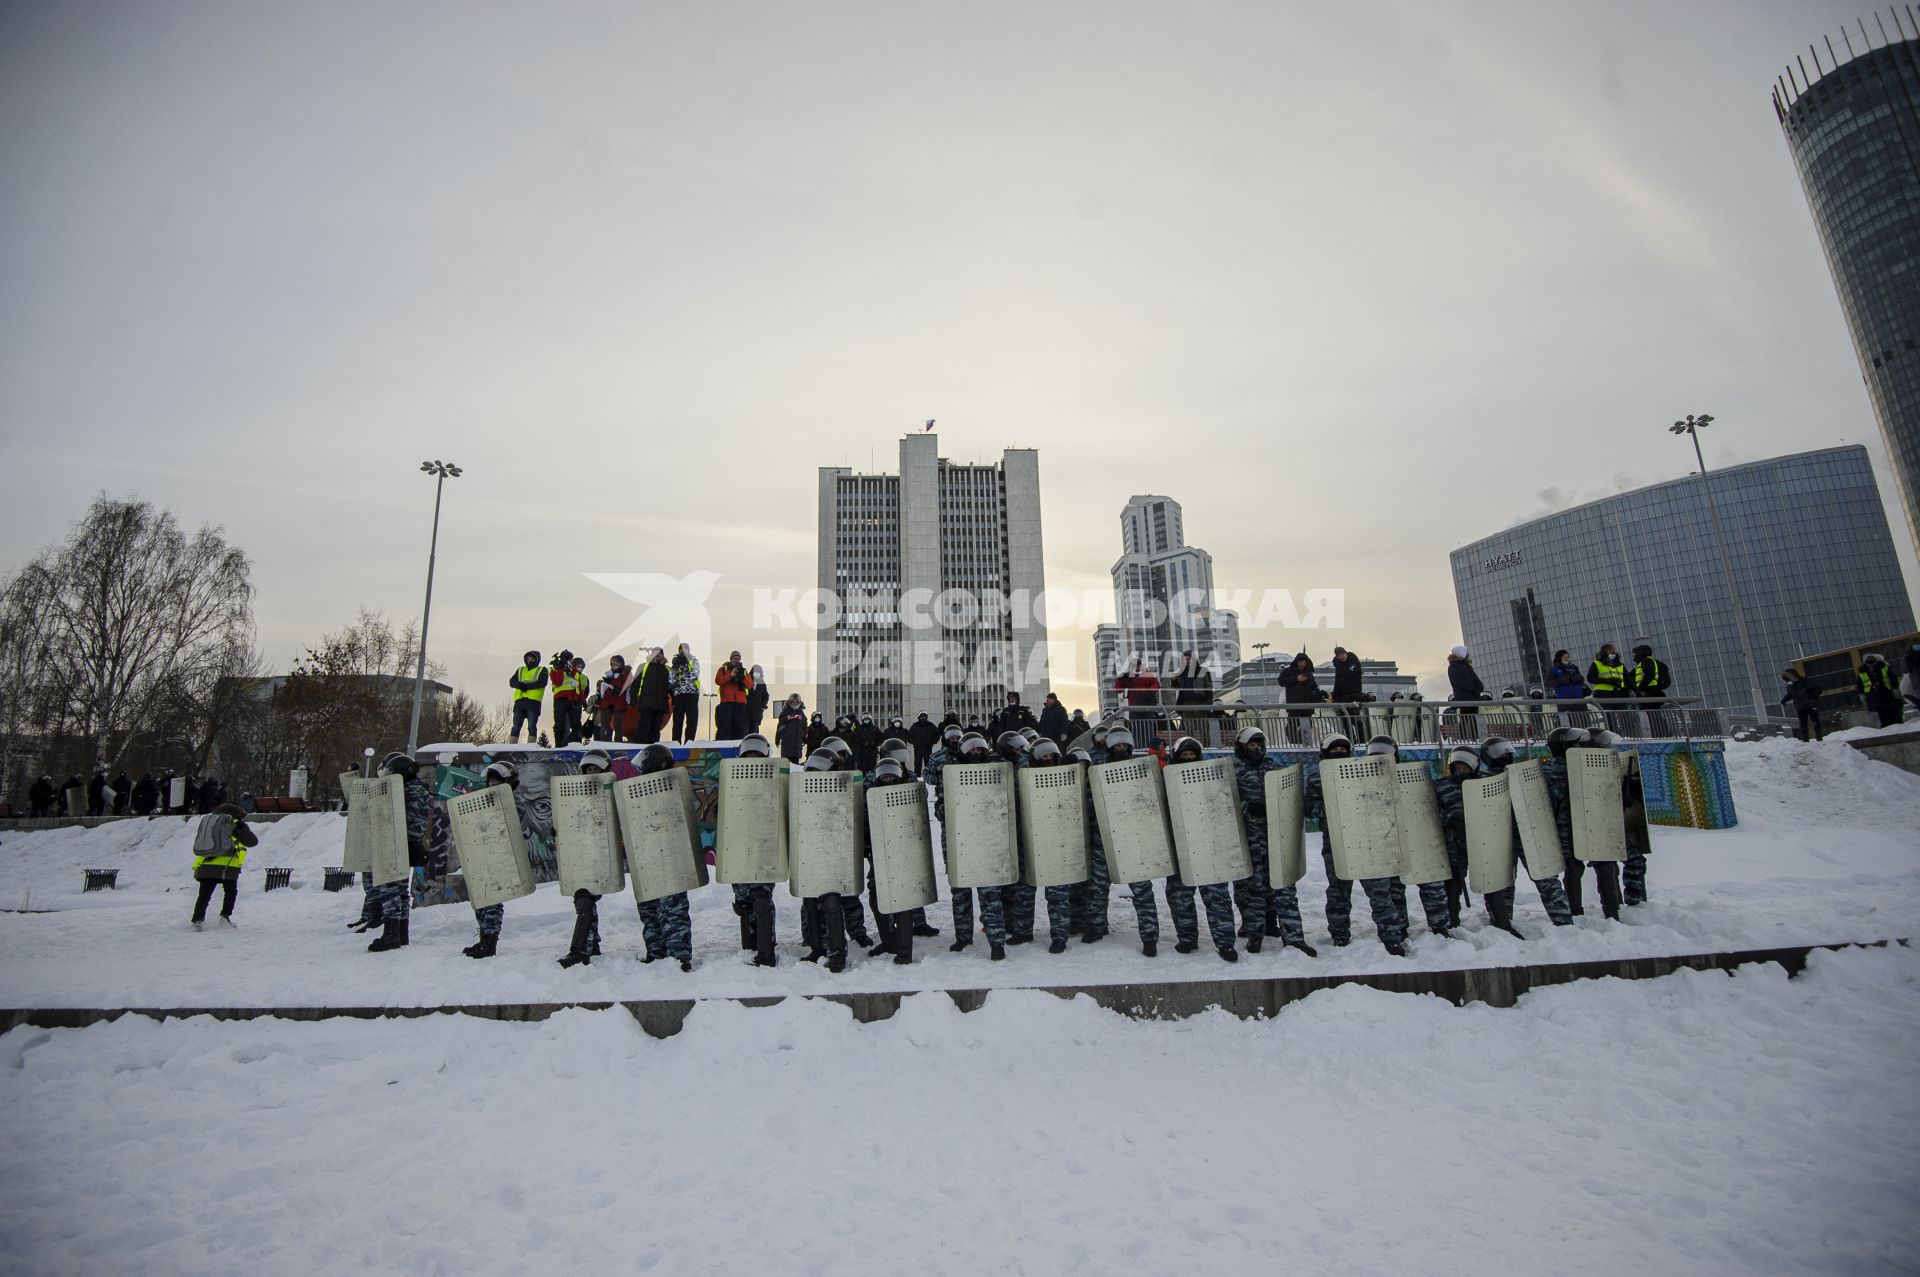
column 757, row 699
column 652, row 697
column 529, row 684
column 734, row 683
column 1053, row 720
column 1464, row 680
column 684, row 678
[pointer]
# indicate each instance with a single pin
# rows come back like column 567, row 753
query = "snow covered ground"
column 1825, row 852
column 1700, row 1124
column 1697, row 1124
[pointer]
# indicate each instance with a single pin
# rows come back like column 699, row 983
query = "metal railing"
column 1523, row 721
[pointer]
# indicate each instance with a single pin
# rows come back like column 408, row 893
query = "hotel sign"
column 1499, row 561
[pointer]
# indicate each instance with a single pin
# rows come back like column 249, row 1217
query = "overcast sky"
column 1355, row 283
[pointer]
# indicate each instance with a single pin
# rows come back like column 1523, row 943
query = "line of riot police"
column 1023, row 820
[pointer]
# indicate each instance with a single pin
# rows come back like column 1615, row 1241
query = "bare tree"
column 132, row 607
column 25, row 706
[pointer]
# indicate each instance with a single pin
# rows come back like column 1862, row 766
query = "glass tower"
column 1812, row 554
column 1854, row 129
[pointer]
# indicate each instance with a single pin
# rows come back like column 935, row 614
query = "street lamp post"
column 441, row 472
column 1691, row 427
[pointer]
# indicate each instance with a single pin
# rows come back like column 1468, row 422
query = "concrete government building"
column 1853, row 126
column 1812, row 554
column 892, row 542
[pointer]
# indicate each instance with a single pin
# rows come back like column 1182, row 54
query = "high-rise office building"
column 1812, row 555
column 1163, row 594
column 1109, row 650
column 1853, row 126
column 937, row 572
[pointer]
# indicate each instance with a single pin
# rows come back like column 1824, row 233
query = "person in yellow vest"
column 1607, row 676
column 529, row 684
column 220, row 845
column 1879, row 689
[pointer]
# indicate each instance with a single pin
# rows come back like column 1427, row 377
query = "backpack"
column 214, row 836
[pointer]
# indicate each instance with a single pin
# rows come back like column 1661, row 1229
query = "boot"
column 1150, row 948
column 889, row 931
column 997, row 952
column 763, row 933
column 1057, row 946
column 1255, row 940
column 582, row 927
column 483, row 948
column 1609, row 877
column 964, row 942
column 925, row 930
column 575, row 959
column 1303, row 947
column 1572, row 879
column 833, row 929
column 686, row 964
column 746, row 930
column 903, row 939
column 1186, row 946
column 1228, row 954
column 392, row 936
column 1397, row 950
column 1500, row 910
column 1456, row 890
column 1092, row 935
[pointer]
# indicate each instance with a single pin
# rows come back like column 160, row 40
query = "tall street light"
column 1692, row 427
column 441, row 472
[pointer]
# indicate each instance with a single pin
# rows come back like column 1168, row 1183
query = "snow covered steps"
column 1172, row 1000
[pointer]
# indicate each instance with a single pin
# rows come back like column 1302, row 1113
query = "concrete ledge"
column 1248, row 999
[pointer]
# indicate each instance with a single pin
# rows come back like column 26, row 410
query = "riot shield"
column 177, row 791
column 1203, row 807
column 661, row 833
column 1055, row 842
column 385, row 798
column 902, row 838
column 982, row 830
column 1417, row 812
column 1634, row 799
column 357, row 857
column 1406, row 723
column 826, row 833
column 1286, row 840
column 1533, row 814
column 1593, row 800
column 493, row 851
column 1361, row 817
column 1130, row 803
column 750, row 833
column 1491, row 855
column 586, row 835
column 1379, row 720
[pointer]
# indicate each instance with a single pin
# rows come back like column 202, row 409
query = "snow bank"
column 1700, row 1123
column 1825, row 853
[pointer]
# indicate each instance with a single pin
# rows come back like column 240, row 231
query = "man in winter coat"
column 1879, row 689
column 1011, row 718
column 219, row 865
column 652, row 697
column 145, row 794
column 734, row 683
column 1804, row 695
column 41, row 797
column 1651, row 681
column 817, row 732
column 1053, row 720
column 1348, row 684
column 1140, row 687
column 1464, row 681
column 529, row 684
column 757, row 700
column 683, row 676
column 1301, row 687
column 97, row 795
column 790, row 731
column 122, row 794
column 923, row 734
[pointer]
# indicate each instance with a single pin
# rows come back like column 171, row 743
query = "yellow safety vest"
column 1609, row 678
column 536, row 694
column 235, row 857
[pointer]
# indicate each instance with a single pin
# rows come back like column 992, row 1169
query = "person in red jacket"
column 610, row 701
column 1142, row 690
column 569, row 701
column 734, row 683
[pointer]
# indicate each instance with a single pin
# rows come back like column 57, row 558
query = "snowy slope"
column 1825, row 852
column 1698, row 1124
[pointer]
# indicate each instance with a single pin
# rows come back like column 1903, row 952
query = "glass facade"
column 1812, row 553
column 1854, row 131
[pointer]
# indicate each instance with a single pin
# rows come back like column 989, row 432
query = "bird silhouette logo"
column 673, row 609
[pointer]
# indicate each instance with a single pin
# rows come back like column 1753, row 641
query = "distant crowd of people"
column 634, row 703
column 151, row 795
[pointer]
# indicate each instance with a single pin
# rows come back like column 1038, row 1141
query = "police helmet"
column 1046, row 752
column 888, row 772
column 655, row 758
column 1604, row 738
column 502, row 772
column 1243, row 744
column 399, row 764
column 1012, row 744
column 1119, row 738
column 596, row 759
column 1496, row 751
column 820, row 760
column 1562, row 739
column 974, row 743
column 1464, row 754
column 1383, row 745
column 755, row 746
column 834, row 745
column 1077, row 755
column 1187, row 745
column 1336, row 746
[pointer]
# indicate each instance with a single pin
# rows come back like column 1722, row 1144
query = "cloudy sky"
column 1356, row 283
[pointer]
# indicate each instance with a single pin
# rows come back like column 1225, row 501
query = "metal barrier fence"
column 1420, row 722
